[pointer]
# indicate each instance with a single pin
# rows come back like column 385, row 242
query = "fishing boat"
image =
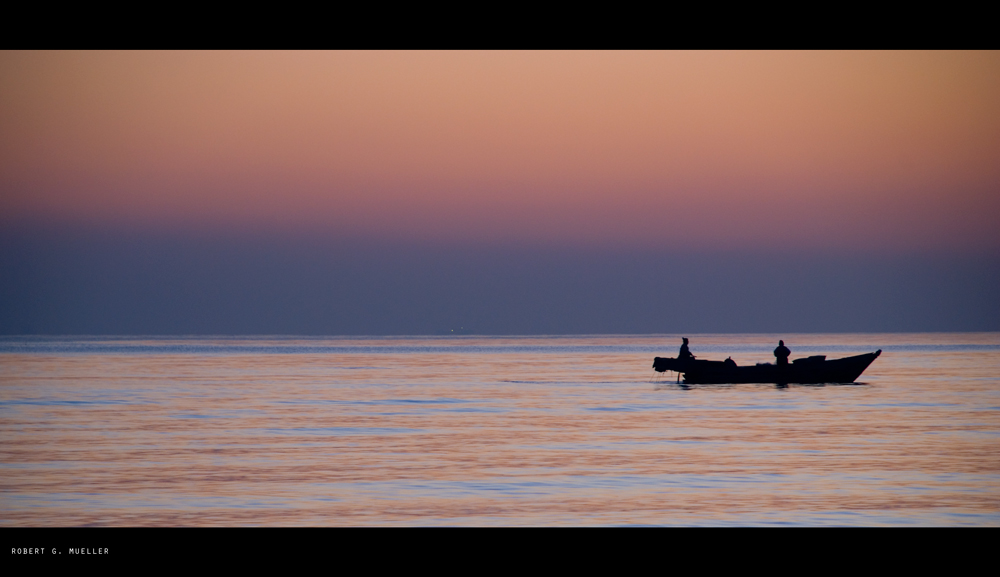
column 808, row 370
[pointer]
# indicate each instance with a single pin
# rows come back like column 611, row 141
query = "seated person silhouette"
column 685, row 354
column 781, row 354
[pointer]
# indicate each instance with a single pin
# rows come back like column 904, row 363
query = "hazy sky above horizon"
column 893, row 151
column 502, row 192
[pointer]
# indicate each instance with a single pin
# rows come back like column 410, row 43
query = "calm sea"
column 553, row 430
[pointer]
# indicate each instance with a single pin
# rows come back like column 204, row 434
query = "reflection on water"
column 492, row 431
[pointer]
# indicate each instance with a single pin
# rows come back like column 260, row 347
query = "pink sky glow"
column 718, row 150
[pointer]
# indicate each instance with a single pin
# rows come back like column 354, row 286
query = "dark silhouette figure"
column 781, row 353
column 685, row 354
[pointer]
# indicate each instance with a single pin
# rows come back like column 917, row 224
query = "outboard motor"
column 663, row 364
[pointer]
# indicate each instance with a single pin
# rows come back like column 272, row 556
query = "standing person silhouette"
column 781, row 354
column 685, row 354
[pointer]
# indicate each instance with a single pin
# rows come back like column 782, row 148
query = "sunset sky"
column 883, row 154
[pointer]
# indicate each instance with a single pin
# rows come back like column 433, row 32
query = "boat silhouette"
column 808, row 370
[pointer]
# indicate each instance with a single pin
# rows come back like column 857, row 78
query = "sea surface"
column 493, row 431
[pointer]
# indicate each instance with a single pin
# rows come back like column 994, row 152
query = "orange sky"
column 827, row 150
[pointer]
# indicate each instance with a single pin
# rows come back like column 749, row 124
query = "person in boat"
column 781, row 354
column 685, row 354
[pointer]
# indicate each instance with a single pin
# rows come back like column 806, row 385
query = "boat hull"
column 812, row 370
